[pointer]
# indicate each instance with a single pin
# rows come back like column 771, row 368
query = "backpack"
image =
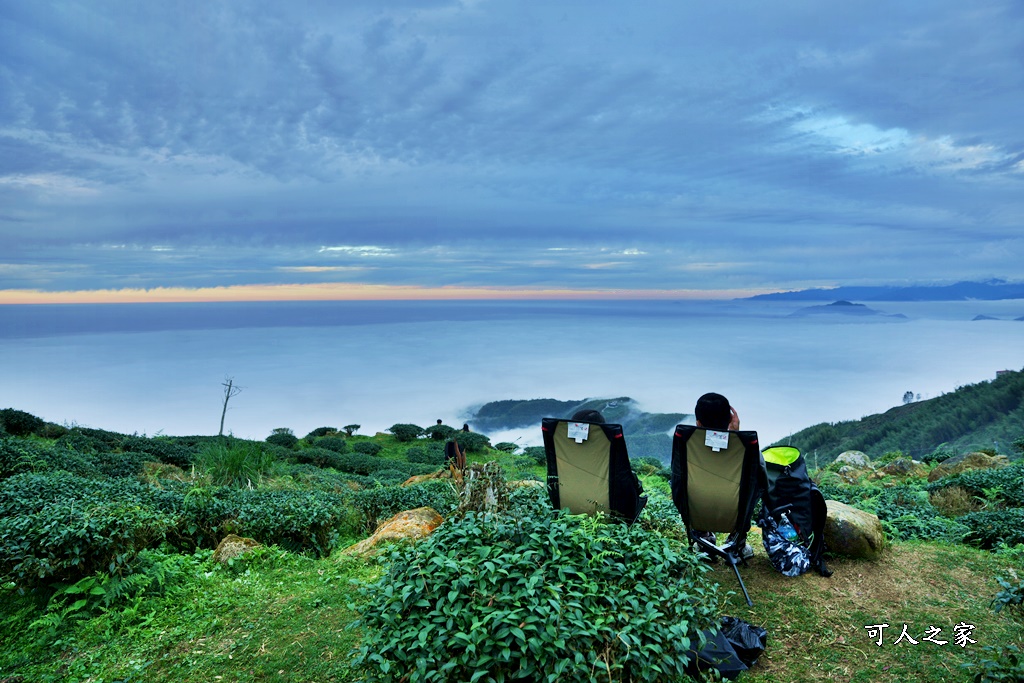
column 790, row 487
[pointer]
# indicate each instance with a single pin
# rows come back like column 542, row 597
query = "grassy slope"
column 281, row 617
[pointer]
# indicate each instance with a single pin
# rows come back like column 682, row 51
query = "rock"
column 901, row 468
column 967, row 461
column 852, row 532
column 232, row 546
column 853, row 459
column 849, row 474
column 405, row 526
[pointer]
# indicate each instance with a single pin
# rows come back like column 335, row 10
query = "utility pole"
column 229, row 390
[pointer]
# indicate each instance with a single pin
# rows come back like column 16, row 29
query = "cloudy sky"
column 266, row 149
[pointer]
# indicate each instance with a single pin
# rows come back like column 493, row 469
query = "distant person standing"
column 465, row 427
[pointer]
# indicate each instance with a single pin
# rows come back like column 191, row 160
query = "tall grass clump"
column 237, row 463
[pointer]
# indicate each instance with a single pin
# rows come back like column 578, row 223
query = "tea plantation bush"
column 320, row 457
column 299, row 521
column 332, row 443
column 536, row 596
column 537, row 453
column 405, row 432
column 989, row 528
column 432, row 454
column 1009, row 480
column 61, row 527
column 367, row 447
column 473, row 442
column 377, row 504
column 20, row 423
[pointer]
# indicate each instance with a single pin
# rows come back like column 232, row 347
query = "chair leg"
column 732, row 563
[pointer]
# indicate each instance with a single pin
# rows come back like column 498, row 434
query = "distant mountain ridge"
column 844, row 308
column 990, row 290
column 647, row 434
column 986, row 415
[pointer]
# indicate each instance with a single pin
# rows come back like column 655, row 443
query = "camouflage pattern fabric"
column 790, row 559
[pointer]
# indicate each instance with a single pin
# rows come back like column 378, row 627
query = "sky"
column 207, row 150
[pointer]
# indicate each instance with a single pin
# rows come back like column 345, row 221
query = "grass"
column 278, row 616
column 817, row 625
column 282, row 617
column 272, row 617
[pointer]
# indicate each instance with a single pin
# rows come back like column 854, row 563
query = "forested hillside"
column 986, row 415
column 649, row 434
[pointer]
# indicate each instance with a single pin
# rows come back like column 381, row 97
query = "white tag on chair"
column 579, row 431
column 716, row 441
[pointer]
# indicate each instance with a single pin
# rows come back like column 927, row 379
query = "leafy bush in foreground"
column 60, row 527
column 538, row 597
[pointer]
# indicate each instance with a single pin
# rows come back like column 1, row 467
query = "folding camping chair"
column 717, row 478
column 588, row 469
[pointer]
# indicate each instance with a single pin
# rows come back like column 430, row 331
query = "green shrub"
column 537, row 453
column 299, row 521
column 320, row 457
column 650, row 465
column 938, row 455
column 506, row 446
column 320, row 431
column 1003, row 664
column 332, row 443
column 1006, row 482
column 20, row 423
column 237, row 463
column 989, row 528
column 128, row 464
column 473, row 442
column 405, row 432
column 377, row 504
column 538, row 597
column 60, row 527
column 1011, row 595
column 282, row 436
column 439, row 432
column 429, row 456
column 367, row 447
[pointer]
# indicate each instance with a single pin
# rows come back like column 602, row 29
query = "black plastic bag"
column 747, row 640
column 730, row 649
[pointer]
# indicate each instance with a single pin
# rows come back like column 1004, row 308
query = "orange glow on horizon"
column 346, row 292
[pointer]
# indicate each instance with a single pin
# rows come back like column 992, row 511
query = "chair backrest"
column 715, row 487
column 588, row 469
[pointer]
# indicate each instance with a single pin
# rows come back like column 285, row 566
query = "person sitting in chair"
column 714, row 412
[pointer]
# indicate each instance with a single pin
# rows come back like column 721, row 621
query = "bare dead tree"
column 230, row 389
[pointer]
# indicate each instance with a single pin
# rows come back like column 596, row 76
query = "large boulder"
column 405, row 526
column 853, row 459
column 967, row 461
column 232, row 546
column 853, row 532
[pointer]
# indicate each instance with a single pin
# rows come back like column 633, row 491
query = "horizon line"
column 345, row 291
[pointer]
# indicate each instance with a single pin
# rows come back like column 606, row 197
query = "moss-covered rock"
column 853, row 532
